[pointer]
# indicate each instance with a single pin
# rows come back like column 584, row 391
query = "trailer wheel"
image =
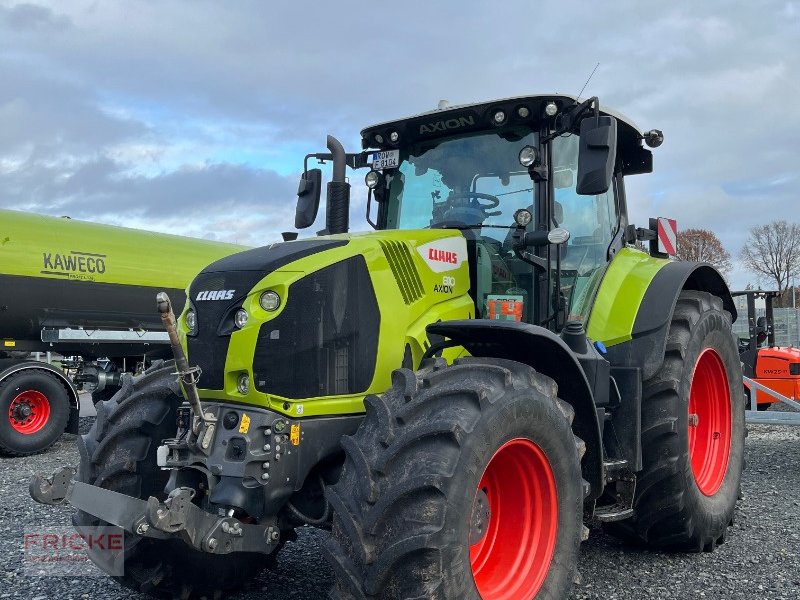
column 35, row 410
column 462, row 482
column 119, row 454
column 692, row 434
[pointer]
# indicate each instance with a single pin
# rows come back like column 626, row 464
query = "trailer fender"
column 9, row 366
column 647, row 344
column 543, row 350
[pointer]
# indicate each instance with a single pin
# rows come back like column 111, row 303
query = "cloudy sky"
column 193, row 116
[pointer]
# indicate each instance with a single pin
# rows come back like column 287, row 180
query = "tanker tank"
column 87, row 292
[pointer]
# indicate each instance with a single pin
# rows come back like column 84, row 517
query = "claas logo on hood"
column 215, row 295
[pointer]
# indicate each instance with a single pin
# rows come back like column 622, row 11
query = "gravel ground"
column 760, row 559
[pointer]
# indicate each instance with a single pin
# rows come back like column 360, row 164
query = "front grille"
column 209, row 348
column 405, row 273
column 325, row 341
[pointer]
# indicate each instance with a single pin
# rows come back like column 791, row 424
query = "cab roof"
column 519, row 110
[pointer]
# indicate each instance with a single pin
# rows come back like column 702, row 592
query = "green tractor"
column 455, row 395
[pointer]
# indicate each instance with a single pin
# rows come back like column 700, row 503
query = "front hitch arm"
column 176, row 517
column 52, row 490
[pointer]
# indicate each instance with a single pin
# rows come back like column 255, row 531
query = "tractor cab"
column 535, row 184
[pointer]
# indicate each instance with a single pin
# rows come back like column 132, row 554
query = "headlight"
column 372, row 179
column 528, row 156
column 551, row 109
column 499, row 117
column 270, row 301
column 394, row 137
column 522, row 217
column 243, row 384
column 191, row 321
column 240, row 318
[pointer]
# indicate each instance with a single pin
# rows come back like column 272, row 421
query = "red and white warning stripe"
column 667, row 236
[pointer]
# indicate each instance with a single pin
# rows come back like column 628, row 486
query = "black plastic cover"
column 325, row 341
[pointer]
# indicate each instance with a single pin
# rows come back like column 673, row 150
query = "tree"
column 702, row 245
column 773, row 252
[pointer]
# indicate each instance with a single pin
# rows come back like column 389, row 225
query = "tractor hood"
column 353, row 307
column 270, row 258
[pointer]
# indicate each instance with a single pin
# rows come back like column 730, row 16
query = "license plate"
column 388, row 159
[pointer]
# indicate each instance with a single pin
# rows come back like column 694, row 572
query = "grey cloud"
column 101, row 190
column 719, row 78
column 26, row 16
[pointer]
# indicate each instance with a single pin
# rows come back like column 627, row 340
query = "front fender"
column 543, row 350
column 635, row 302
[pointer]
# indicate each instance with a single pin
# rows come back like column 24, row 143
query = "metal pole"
column 796, row 316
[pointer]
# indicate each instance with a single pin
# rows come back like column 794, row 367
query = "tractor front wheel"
column 692, row 434
column 462, row 482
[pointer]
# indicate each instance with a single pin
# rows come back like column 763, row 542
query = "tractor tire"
column 119, row 454
column 35, row 408
column 106, row 393
column 693, row 434
column 462, row 482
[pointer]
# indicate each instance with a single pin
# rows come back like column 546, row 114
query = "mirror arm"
column 354, row 161
column 571, row 118
column 531, row 259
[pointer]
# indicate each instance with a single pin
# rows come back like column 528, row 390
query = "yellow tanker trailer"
column 86, row 292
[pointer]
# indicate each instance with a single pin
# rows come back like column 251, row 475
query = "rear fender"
column 548, row 354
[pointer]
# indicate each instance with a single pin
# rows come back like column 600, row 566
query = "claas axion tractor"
column 456, row 395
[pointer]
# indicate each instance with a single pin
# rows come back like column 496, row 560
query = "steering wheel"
column 475, row 198
column 466, row 207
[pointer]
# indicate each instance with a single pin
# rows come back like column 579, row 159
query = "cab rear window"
column 794, row 369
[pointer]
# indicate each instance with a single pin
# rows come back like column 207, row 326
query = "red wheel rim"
column 517, row 538
column 29, row 412
column 709, row 422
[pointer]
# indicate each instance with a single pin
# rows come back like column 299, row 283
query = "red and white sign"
column 667, row 236
column 444, row 255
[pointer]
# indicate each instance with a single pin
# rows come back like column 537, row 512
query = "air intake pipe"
column 337, row 206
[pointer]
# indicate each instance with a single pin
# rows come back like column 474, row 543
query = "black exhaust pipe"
column 337, row 206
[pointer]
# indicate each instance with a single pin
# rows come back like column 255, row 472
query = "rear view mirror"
column 308, row 194
column 598, row 149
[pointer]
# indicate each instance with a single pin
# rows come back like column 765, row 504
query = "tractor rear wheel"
column 119, row 454
column 692, row 434
column 462, row 482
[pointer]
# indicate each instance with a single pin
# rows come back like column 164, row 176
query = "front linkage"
column 177, row 516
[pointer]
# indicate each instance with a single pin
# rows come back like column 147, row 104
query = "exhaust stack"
column 337, row 206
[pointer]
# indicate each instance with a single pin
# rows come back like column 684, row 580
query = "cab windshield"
column 476, row 182
column 468, row 182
